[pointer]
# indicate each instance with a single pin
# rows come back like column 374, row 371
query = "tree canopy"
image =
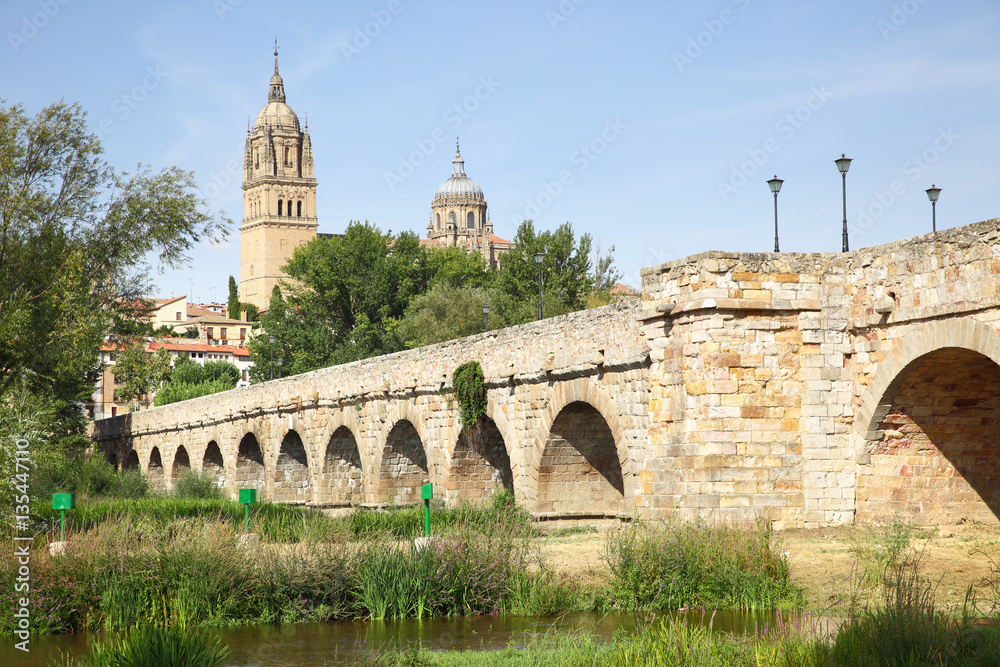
column 368, row 292
column 75, row 233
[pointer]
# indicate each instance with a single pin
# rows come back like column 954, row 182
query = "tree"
column 74, row 237
column 348, row 294
column 139, row 372
column 234, row 300
column 191, row 380
column 446, row 312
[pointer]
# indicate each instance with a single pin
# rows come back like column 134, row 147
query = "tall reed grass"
column 673, row 564
column 151, row 647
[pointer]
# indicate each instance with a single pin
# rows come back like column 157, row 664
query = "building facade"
column 279, row 195
column 459, row 217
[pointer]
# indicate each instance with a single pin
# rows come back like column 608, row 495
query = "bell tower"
column 279, row 194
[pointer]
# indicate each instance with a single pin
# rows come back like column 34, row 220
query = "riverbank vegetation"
column 174, row 561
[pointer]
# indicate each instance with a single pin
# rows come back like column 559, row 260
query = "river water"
column 317, row 644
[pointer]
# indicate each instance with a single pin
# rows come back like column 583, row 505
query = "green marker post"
column 63, row 502
column 426, row 493
column 247, row 498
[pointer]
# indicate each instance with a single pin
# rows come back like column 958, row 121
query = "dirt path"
column 821, row 559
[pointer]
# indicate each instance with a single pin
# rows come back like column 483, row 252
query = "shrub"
column 671, row 564
column 194, row 484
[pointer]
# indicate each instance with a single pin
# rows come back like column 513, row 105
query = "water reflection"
column 345, row 641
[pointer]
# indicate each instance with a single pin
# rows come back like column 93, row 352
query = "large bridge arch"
column 927, row 425
column 566, row 397
column 402, row 460
column 342, row 478
column 249, row 471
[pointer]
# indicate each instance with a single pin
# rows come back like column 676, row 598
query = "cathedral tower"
column 279, row 195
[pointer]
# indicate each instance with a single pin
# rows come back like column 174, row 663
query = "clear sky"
column 653, row 126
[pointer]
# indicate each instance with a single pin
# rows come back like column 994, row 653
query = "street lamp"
column 775, row 185
column 933, row 193
column 279, row 367
column 843, row 164
column 271, row 339
column 486, row 313
column 539, row 256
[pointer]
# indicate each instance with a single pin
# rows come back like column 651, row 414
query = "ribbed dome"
column 459, row 183
column 277, row 114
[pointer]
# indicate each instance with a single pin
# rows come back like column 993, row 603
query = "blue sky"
column 653, row 126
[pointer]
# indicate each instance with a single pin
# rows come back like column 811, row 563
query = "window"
column 289, row 208
column 243, row 333
column 114, row 411
column 222, row 335
column 438, row 216
column 451, row 219
column 111, row 356
column 279, row 207
column 470, row 220
column 210, row 332
column 298, row 210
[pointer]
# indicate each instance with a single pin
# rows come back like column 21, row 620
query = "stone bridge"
column 807, row 389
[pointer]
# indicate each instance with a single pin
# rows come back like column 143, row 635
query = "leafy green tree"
column 251, row 311
column 74, row 237
column 191, row 380
column 348, row 294
column 446, row 312
column 139, row 372
column 234, row 300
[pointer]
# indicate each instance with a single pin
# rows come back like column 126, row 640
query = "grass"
column 675, row 564
column 151, row 647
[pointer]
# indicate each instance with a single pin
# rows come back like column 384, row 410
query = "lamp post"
column 486, row 313
column 775, row 185
column 933, row 193
column 843, row 164
column 539, row 256
column 271, row 339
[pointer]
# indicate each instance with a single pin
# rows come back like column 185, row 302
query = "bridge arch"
column 402, row 462
column 154, row 469
column 180, row 465
column 212, row 462
column 479, row 464
column 249, row 463
column 926, row 429
column 580, row 461
column 339, row 469
column 131, row 461
column 291, row 480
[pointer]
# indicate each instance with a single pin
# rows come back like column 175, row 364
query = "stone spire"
column 458, row 164
column 277, row 92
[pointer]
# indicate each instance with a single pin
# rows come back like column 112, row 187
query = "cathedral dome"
column 459, row 184
column 277, row 114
